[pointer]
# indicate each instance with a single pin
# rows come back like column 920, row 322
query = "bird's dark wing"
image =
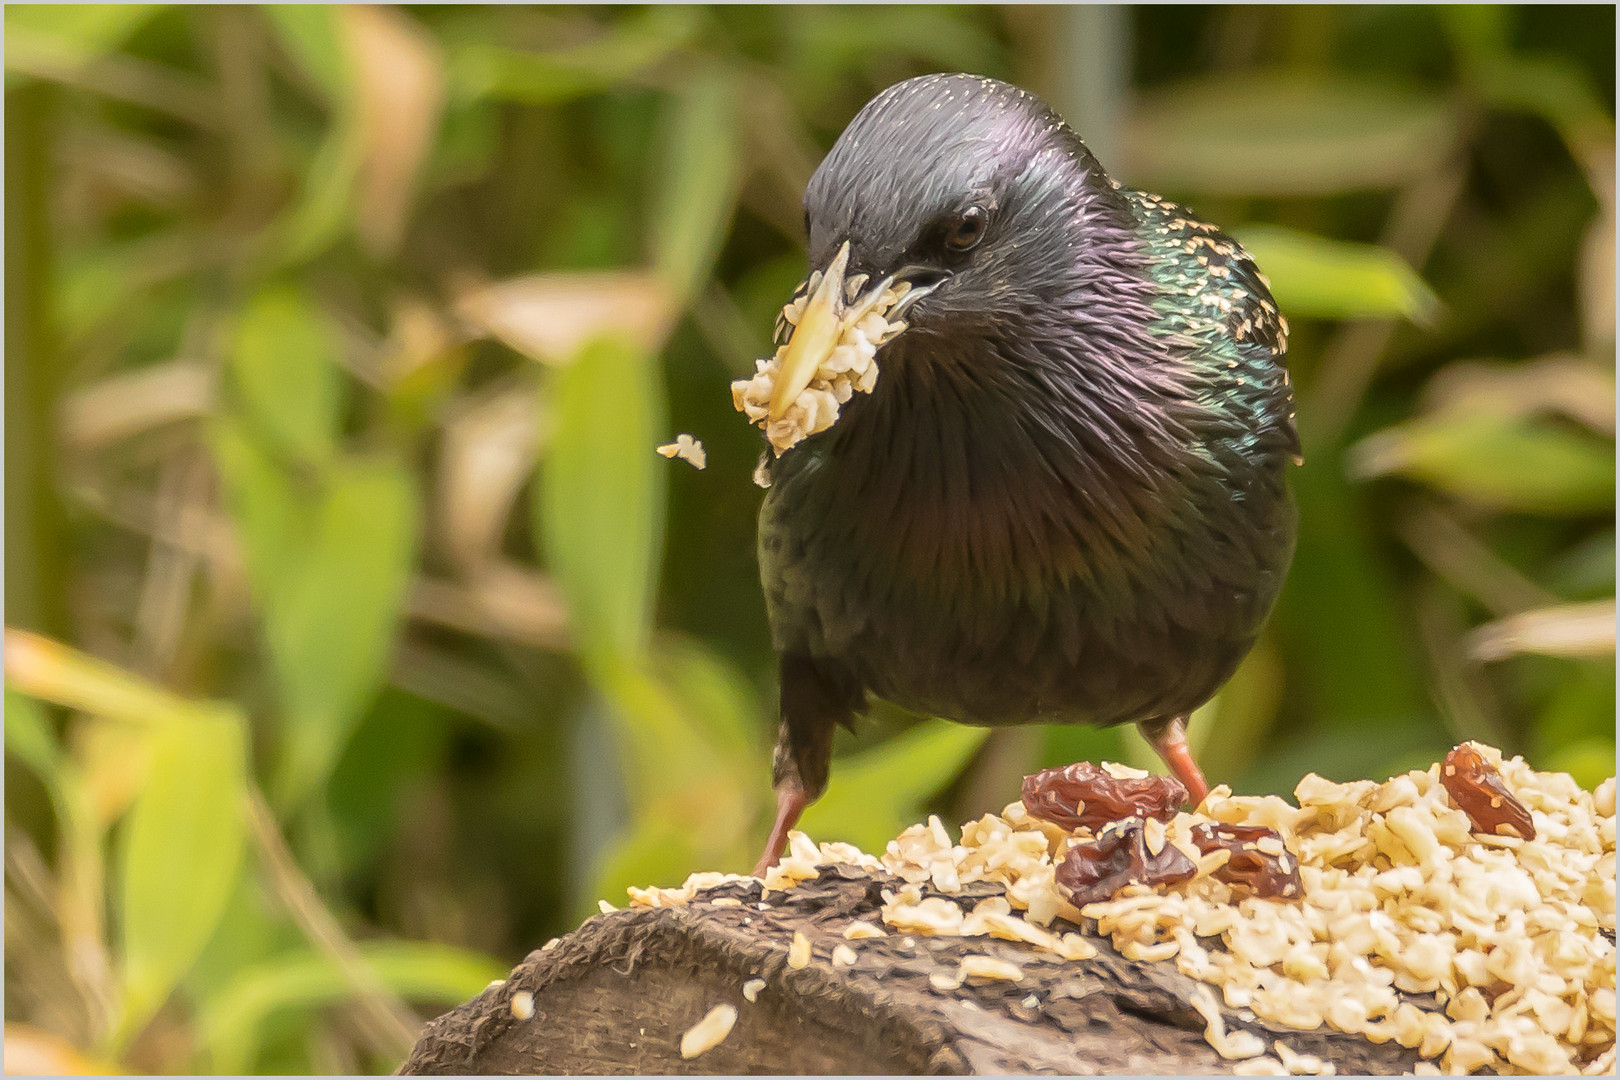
column 1214, row 294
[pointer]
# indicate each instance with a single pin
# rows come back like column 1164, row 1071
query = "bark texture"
column 616, row 995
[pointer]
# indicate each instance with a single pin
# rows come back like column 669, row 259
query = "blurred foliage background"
column 358, row 639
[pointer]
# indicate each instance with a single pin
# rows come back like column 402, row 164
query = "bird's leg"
column 790, row 803
column 816, row 698
column 1169, row 740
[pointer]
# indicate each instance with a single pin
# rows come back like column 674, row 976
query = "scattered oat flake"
column 751, row 989
column 687, row 449
column 860, row 929
column 708, row 1032
column 989, row 967
column 522, row 1005
column 843, row 956
column 1259, row 1066
column 1400, row 920
column 799, row 951
column 604, row 907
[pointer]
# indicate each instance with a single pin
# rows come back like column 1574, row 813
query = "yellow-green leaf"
column 233, row 1021
column 1283, row 134
column 73, row 34
column 284, row 370
column 181, row 855
column 30, row 738
column 601, row 506
column 876, row 793
column 696, row 175
column 1528, row 464
column 330, row 618
column 1314, row 277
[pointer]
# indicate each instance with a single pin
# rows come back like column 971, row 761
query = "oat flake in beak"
column 830, row 353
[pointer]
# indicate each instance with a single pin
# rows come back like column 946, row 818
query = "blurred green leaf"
column 182, row 852
column 72, row 34
column 653, row 852
column 313, row 37
column 1590, row 761
column 1362, row 661
column 272, row 522
column 232, row 1021
column 643, row 38
column 695, row 181
column 1556, row 91
column 1314, row 277
column 284, row 366
column 1345, row 753
column 877, row 792
column 1283, row 134
column 716, row 696
column 600, row 509
column 331, row 618
column 826, row 42
column 30, row 738
column 1527, row 464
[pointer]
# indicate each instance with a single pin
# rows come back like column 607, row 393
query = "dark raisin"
column 1265, row 874
column 1098, row 869
column 1084, row 795
column 1477, row 789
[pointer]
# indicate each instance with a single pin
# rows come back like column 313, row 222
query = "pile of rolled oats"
column 1412, row 919
column 850, row 366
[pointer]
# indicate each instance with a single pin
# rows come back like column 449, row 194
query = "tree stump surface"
column 616, row 995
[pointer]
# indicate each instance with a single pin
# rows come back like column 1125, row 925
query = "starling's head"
column 971, row 191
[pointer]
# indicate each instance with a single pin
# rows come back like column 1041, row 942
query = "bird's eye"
column 966, row 231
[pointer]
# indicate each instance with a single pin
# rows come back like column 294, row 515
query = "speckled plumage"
column 1065, row 499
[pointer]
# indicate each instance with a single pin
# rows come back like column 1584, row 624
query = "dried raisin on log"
column 1269, row 874
column 1083, row 795
column 1098, row 869
column 1477, row 788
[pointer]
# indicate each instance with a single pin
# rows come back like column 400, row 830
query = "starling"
column 1064, row 499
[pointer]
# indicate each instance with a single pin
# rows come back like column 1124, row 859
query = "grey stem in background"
column 1091, row 82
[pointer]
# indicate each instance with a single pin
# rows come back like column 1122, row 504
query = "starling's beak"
column 815, row 337
column 838, row 303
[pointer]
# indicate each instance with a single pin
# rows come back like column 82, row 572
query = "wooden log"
column 616, row 995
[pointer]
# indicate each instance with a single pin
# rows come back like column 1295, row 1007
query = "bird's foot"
column 790, row 803
column 1169, row 741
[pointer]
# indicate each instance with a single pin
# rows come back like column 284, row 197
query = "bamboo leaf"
column 182, row 853
column 331, row 616
column 284, row 369
column 876, row 793
column 696, row 181
column 601, row 506
column 1283, row 134
column 1314, row 277
column 233, row 1021
column 1528, row 464
column 72, row 35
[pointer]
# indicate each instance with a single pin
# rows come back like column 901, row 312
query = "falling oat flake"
column 687, row 449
